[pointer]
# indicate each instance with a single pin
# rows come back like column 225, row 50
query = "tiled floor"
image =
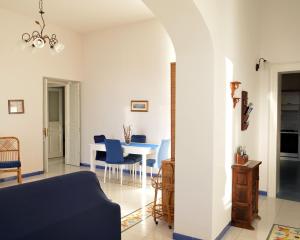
column 131, row 198
column 289, row 180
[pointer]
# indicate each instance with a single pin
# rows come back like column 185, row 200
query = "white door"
column 73, row 124
column 55, row 115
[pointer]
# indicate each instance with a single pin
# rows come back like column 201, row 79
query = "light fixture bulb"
column 39, row 43
column 59, row 47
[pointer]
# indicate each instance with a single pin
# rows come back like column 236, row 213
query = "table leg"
column 92, row 160
column 144, row 171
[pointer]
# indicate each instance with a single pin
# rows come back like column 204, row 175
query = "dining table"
column 142, row 149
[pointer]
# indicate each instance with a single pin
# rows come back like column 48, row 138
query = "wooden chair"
column 10, row 156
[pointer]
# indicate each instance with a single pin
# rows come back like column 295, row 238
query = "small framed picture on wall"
column 139, row 106
column 16, row 106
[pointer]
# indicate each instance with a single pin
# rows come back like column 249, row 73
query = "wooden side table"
column 245, row 191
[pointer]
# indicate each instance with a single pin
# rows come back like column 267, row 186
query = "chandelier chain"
column 41, row 6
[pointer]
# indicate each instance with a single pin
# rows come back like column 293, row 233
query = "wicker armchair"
column 164, row 182
column 10, row 156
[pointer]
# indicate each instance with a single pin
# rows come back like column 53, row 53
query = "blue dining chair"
column 138, row 138
column 114, row 157
column 162, row 154
column 138, row 157
column 100, row 155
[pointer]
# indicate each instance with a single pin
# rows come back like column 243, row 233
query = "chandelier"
column 38, row 40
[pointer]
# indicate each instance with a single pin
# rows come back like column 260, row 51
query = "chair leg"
column 155, row 206
column 121, row 174
column 140, row 173
column 105, row 170
column 19, row 175
column 135, row 170
column 109, row 172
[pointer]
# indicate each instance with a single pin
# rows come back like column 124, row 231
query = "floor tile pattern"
column 136, row 217
column 280, row 232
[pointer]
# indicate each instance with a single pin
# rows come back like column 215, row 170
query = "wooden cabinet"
column 245, row 191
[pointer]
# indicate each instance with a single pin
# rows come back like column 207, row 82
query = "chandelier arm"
column 35, row 34
column 46, row 37
column 44, row 24
column 26, row 37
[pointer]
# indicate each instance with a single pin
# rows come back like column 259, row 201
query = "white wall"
column 21, row 77
column 122, row 64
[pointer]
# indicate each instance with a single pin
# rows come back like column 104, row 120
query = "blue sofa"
column 69, row 207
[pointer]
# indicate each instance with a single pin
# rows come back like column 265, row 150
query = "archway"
column 194, row 115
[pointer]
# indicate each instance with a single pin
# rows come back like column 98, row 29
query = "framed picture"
column 139, row 106
column 16, row 106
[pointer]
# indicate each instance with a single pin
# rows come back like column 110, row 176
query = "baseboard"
column 178, row 236
column 223, row 232
column 88, row 165
column 126, row 171
column 263, row 193
column 26, row 175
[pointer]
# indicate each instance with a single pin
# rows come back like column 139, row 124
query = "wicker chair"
column 164, row 181
column 10, row 156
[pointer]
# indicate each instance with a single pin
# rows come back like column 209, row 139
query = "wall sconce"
column 234, row 86
column 257, row 66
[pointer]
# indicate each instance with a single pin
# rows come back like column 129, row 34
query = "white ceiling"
column 83, row 15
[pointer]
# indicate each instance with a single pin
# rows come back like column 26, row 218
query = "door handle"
column 45, row 132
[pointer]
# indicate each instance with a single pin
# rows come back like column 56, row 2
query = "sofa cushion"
column 10, row 164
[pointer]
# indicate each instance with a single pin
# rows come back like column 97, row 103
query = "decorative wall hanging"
column 246, row 110
column 16, row 106
column 234, row 86
column 37, row 39
column 139, row 106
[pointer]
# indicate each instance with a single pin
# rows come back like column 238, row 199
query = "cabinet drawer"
column 240, row 214
column 241, row 194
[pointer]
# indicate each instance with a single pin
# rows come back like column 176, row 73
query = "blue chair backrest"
column 99, row 138
column 138, row 138
column 114, row 151
column 163, row 152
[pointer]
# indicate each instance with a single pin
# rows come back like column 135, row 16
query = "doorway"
column 56, row 123
column 289, row 158
column 61, row 122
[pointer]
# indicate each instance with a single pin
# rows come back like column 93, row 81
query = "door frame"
column 173, row 110
column 66, row 84
column 274, row 124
